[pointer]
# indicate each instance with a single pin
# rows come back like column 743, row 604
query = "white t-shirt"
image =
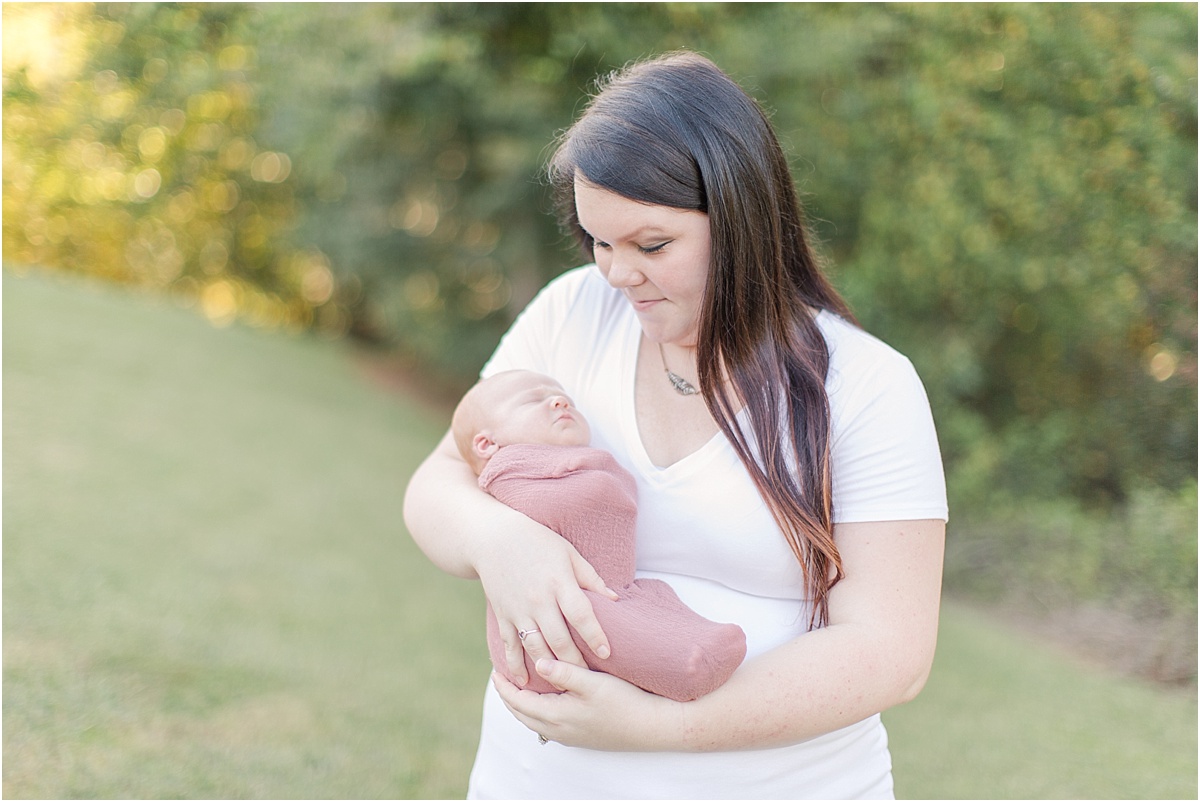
column 704, row 528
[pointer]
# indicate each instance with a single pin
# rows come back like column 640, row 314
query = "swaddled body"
column 657, row 642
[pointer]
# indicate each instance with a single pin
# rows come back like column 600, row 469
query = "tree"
column 1006, row 193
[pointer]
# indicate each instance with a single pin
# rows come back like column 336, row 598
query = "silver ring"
column 542, row 739
column 521, row 633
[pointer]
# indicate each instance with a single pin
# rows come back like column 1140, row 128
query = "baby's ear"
column 484, row 446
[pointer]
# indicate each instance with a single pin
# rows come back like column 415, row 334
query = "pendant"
column 681, row 385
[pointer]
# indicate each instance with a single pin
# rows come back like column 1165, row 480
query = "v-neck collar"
column 658, row 474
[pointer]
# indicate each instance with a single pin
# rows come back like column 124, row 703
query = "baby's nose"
column 560, row 402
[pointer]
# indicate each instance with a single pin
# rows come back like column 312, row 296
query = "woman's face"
column 657, row 256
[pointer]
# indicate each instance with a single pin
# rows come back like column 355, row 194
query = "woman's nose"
column 621, row 273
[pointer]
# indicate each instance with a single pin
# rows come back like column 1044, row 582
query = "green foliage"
column 141, row 164
column 1028, row 234
column 1138, row 561
column 1143, row 557
column 425, row 186
column 1006, row 192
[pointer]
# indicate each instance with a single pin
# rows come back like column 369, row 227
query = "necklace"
column 681, row 385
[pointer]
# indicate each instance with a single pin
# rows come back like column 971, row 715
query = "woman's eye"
column 597, row 244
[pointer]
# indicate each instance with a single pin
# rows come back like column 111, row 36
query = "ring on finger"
column 542, row 739
column 523, row 633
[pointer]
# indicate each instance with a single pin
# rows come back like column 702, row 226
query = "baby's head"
column 517, row 406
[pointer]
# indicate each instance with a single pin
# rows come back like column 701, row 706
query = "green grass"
column 208, row 592
column 1005, row 716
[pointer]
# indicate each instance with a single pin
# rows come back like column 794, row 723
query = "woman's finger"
column 565, row 676
column 587, row 577
column 580, row 614
column 511, row 695
column 557, row 641
column 577, row 609
column 533, row 644
column 514, row 585
column 514, row 654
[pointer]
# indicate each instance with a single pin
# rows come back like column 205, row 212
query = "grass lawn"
column 208, row 592
column 1005, row 716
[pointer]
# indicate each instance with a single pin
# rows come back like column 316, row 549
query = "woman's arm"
column 875, row 653
column 530, row 575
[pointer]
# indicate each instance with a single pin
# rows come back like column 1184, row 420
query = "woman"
column 788, row 473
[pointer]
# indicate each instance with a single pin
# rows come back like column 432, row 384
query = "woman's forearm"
column 441, row 504
column 532, row 578
column 876, row 652
column 821, row 682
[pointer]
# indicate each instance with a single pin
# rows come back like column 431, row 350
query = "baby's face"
column 525, row 407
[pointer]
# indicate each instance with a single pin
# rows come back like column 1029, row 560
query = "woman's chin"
column 659, row 336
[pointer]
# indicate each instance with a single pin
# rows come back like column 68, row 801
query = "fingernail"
column 602, row 652
column 543, row 666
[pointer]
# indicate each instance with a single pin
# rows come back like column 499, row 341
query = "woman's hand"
column 530, row 575
column 534, row 580
column 875, row 653
column 595, row 710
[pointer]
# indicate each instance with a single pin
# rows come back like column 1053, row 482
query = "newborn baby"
column 529, row 445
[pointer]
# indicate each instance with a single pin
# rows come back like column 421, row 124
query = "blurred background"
column 1005, row 193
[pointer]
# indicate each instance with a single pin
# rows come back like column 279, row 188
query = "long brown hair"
column 677, row 131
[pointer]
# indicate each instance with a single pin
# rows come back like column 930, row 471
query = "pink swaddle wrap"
column 657, row 642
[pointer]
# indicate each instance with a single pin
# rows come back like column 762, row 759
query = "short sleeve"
column 887, row 465
column 530, row 342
